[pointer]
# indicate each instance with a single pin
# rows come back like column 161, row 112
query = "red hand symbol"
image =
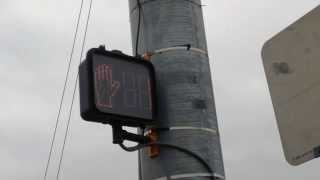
column 105, row 86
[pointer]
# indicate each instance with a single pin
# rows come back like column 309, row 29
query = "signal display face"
column 122, row 87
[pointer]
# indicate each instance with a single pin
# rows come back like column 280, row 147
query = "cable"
column 132, row 149
column 74, row 92
column 186, row 151
column 63, row 91
column 138, row 28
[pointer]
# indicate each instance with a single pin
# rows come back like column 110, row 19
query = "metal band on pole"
column 190, row 175
column 148, row 1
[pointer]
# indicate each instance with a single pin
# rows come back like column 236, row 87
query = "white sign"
column 292, row 65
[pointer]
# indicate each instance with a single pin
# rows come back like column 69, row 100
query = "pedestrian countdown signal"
column 117, row 89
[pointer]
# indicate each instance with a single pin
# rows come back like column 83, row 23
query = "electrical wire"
column 181, row 149
column 63, row 90
column 138, row 27
column 74, row 92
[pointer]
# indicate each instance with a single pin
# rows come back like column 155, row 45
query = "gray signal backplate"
column 292, row 65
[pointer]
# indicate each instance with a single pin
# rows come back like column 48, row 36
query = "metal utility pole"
column 173, row 30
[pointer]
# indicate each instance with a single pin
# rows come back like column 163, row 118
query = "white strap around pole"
column 159, row 51
column 175, row 128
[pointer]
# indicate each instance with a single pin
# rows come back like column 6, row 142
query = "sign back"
column 292, row 65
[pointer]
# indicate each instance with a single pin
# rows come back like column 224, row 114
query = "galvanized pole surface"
column 184, row 89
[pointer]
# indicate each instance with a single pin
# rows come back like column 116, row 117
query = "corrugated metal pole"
column 174, row 31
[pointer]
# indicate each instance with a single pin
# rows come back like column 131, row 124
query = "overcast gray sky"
column 36, row 37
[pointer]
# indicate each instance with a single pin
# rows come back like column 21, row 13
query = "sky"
column 36, row 38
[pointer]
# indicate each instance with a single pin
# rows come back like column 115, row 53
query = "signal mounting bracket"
column 119, row 135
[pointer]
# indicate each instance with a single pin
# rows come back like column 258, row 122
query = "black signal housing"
column 117, row 89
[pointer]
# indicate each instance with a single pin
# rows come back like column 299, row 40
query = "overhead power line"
column 63, row 91
column 74, row 92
